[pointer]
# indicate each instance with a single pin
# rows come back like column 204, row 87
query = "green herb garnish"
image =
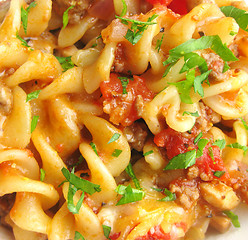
column 34, row 123
column 23, row 42
column 106, row 231
column 129, row 194
column 124, row 9
column 66, row 17
column 244, row 123
column 42, row 174
column 238, row 146
column 33, row 95
column 24, row 15
column 114, row 137
column 198, row 137
column 93, row 146
column 148, row 153
column 194, row 114
column 234, row 218
column 219, row 174
column 159, row 43
column 131, row 174
column 124, row 83
column 78, row 236
column 221, row 143
column 201, row 145
column 65, row 62
column 116, row 153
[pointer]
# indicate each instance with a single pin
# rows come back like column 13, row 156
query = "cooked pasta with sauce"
column 122, row 119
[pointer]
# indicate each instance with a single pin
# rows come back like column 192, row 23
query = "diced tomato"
column 155, row 233
column 123, row 108
column 208, row 166
column 164, row 2
column 115, row 236
column 174, row 142
column 178, row 6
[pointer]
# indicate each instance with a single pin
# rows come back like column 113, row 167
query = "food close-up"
column 123, row 119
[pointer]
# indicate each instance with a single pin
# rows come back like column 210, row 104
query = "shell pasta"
column 122, row 119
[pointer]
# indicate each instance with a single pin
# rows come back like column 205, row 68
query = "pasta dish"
column 122, row 119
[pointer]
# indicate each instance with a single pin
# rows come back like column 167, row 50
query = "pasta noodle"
column 121, row 119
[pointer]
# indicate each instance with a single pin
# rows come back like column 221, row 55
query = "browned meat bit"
column 136, row 135
column 6, row 203
column 215, row 63
column 119, row 64
column 207, row 118
column 76, row 13
column 186, row 191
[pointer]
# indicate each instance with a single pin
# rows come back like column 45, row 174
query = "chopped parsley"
column 66, row 17
column 182, row 161
column 159, row 43
column 219, row 174
column 211, row 153
column 76, row 183
column 116, row 153
column 238, row 146
column 106, row 231
column 240, row 16
column 42, row 174
column 201, row 145
column 124, row 9
column 198, row 137
column 124, row 83
column 93, row 146
column 24, row 15
column 33, row 95
column 234, row 218
column 94, row 45
column 221, row 143
column 131, row 174
column 23, row 42
column 78, row 236
column 232, row 33
column 134, row 34
column 114, row 137
column 148, row 153
column 34, row 123
column 226, row 67
column 65, row 62
column 129, row 194
column 194, row 114
column 244, row 123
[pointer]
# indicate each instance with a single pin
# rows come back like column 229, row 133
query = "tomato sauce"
column 123, row 107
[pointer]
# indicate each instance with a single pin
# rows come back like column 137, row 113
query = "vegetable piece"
column 219, row 173
column 238, row 146
column 116, row 152
column 194, row 114
column 24, row 42
column 240, row 16
column 148, row 153
column 65, row 62
column 124, row 9
column 244, row 123
column 234, row 218
column 114, row 137
column 198, row 137
column 93, row 145
column 182, row 161
column 106, row 231
column 129, row 194
column 169, row 195
column 42, row 174
column 34, row 123
column 201, row 145
column 159, row 43
column 134, row 34
column 33, row 95
column 24, row 15
column 66, row 17
column 164, row 2
column 78, row 236
column 221, row 143
column 124, row 83
column 131, row 174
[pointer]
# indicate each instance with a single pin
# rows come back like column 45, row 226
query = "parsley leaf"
column 114, row 137
column 24, row 15
column 219, row 174
column 194, row 114
column 159, row 43
column 116, row 153
column 124, row 9
column 129, row 194
column 211, row 153
column 148, row 153
column 238, row 146
column 33, row 95
column 131, row 174
column 240, row 16
column 134, row 34
column 93, row 146
column 201, row 145
column 234, row 218
column 34, row 123
column 66, row 17
column 24, row 42
column 226, row 67
column 198, row 137
column 65, row 62
column 182, row 160
column 78, row 236
column 221, row 143
column 124, row 83
column 244, row 123
column 42, row 174
column 106, row 231
column 169, row 196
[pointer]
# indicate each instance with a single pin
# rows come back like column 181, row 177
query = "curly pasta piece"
column 102, row 131
column 41, row 66
column 17, row 128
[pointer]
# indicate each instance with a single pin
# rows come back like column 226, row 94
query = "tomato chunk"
column 124, row 107
column 164, row 2
column 178, row 6
column 155, row 233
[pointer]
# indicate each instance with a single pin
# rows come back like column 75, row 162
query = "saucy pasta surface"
column 122, row 119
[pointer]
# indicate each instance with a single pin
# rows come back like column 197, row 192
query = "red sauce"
column 179, row 6
column 115, row 236
column 156, row 233
column 163, row 2
column 175, row 143
column 122, row 108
